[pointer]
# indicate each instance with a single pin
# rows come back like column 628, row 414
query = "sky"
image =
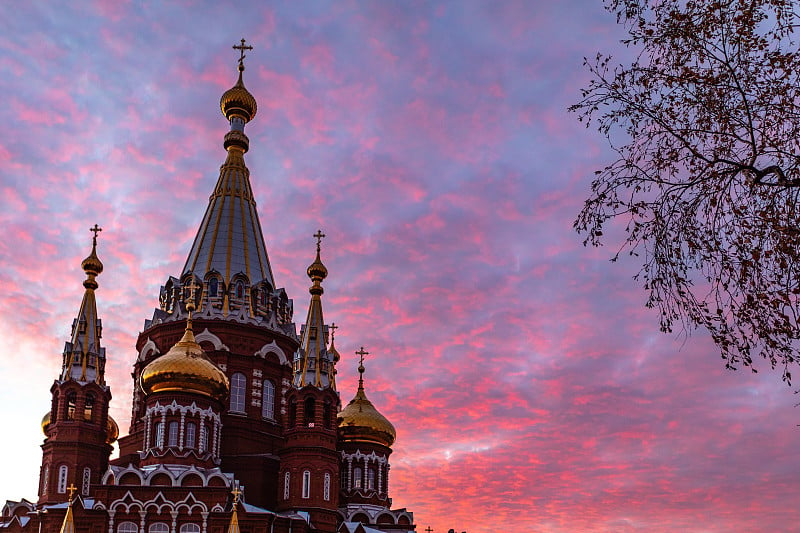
column 530, row 388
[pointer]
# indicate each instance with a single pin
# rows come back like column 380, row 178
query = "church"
column 236, row 424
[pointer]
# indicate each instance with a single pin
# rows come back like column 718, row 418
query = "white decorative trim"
column 213, row 339
column 148, row 348
column 273, row 347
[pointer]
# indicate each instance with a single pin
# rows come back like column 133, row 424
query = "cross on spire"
column 242, row 47
column 333, row 327
column 71, row 489
column 319, row 236
column 361, row 353
column 428, row 530
column 96, row 229
column 236, row 493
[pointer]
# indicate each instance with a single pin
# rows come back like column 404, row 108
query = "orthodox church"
column 236, row 423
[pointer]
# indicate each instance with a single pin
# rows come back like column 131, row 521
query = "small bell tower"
column 78, row 431
column 309, row 475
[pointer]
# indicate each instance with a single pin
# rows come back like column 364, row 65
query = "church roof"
column 230, row 239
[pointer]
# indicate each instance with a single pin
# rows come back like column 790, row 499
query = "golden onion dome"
column 92, row 264
column 317, row 270
column 238, row 101
column 112, row 429
column 185, row 368
column 361, row 422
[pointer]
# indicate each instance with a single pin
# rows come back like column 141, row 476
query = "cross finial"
column 334, row 327
column 71, row 489
column 429, row 529
column 236, row 493
column 96, row 229
column 319, row 236
column 361, row 353
column 242, row 47
column 192, row 289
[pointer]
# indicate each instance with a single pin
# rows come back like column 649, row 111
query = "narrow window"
column 238, row 392
column 159, row 442
column 62, row 479
column 88, row 407
column 46, row 480
column 213, row 287
column 292, row 413
column 172, row 434
column 128, row 527
column 310, row 407
column 326, row 414
column 71, row 401
column 191, row 434
column 357, row 477
column 203, row 438
column 240, row 290
column 326, row 488
column 306, row 484
column 371, row 479
column 268, row 400
column 286, row 486
column 87, row 480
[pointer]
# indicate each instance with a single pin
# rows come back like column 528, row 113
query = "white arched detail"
column 148, row 348
column 213, row 339
column 273, row 347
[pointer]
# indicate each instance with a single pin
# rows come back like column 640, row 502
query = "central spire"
column 230, row 241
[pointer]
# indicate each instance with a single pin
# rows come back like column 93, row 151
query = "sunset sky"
column 530, row 388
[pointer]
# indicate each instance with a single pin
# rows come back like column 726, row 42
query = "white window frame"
column 158, row 527
column 326, row 487
column 173, row 430
column 286, row 482
column 189, row 528
column 268, row 400
column 63, row 473
column 127, row 527
column 87, row 480
column 191, row 435
column 306, row 484
column 238, row 392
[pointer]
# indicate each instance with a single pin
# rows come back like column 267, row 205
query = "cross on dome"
column 242, row 47
column 96, row 229
column 319, row 236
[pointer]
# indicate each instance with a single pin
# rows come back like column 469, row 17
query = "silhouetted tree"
column 705, row 123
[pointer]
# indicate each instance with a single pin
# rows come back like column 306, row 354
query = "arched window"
column 86, row 481
column 326, row 414
column 326, row 487
column 357, row 478
column 310, row 407
column 286, row 486
column 45, row 479
column 306, row 484
column 172, row 434
column 239, row 290
column 159, row 442
column 371, row 478
column 213, row 287
column 127, row 527
column 88, row 406
column 71, row 401
column 158, row 527
column 190, row 528
column 203, row 438
column 268, row 400
column 238, row 392
column 62, row 479
column 191, row 435
column 292, row 412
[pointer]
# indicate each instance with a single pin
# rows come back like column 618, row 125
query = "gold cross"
column 319, row 236
column 192, row 288
column 334, row 327
column 236, row 493
column 72, row 488
column 96, row 229
column 242, row 47
column 362, row 353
